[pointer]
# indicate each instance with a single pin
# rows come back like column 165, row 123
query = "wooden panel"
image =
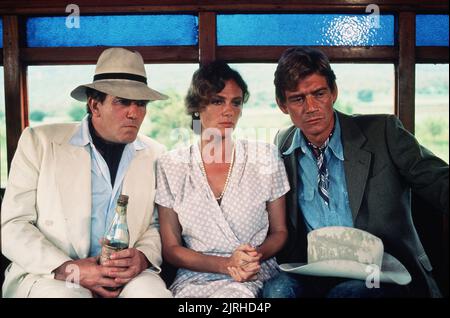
column 207, row 37
column 89, row 55
column 405, row 70
column 431, row 54
column 271, row 54
column 14, row 73
column 139, row 6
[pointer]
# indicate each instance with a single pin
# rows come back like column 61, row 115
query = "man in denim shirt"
column 352, row 171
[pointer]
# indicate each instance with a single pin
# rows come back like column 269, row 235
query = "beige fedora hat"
column 339, row 251
column 120, row 72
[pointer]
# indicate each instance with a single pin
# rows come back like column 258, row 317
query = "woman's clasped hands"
column 244, row 263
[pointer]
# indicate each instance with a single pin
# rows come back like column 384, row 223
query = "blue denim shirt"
column 316, row 213
column 104, row 196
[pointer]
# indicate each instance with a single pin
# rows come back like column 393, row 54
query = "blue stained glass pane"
column 305, row 29
column 123, row 30
column 431, row 30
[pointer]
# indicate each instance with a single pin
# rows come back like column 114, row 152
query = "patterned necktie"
column 322, row 177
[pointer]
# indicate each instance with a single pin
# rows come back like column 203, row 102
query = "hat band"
column 127, row 76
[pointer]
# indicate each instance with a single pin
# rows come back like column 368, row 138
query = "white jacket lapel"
column 73, row 176
column 139, row 185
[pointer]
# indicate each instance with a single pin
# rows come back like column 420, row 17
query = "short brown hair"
column 209, row 80
column 298, row 63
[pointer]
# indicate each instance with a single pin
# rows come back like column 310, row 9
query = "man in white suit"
column 63, row 187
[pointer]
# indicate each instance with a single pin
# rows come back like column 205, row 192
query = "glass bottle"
column 117, row 237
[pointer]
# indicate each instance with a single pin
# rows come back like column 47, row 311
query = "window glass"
column 431, row 30
column 432, row 127
column 117, row 30
column 365, row 88
column 261, row 118
column 167, row 120
column 49, row 90
column 305, row 29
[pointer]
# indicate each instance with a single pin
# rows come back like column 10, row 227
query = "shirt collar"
column 335, row 144
column 139, row 144
column 82, row 137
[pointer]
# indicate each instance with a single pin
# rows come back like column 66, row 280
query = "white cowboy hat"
column 339, row 251
column 121, row 73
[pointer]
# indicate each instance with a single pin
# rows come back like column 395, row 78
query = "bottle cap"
column 123, row 199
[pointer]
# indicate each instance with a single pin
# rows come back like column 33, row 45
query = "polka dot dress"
column 258, row 176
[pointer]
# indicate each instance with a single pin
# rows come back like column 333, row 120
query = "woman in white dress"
column 221, row 201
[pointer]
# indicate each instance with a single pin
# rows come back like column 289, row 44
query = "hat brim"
column 119, row 88
column 392, row 271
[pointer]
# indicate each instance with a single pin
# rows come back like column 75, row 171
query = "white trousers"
column 147, row 284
